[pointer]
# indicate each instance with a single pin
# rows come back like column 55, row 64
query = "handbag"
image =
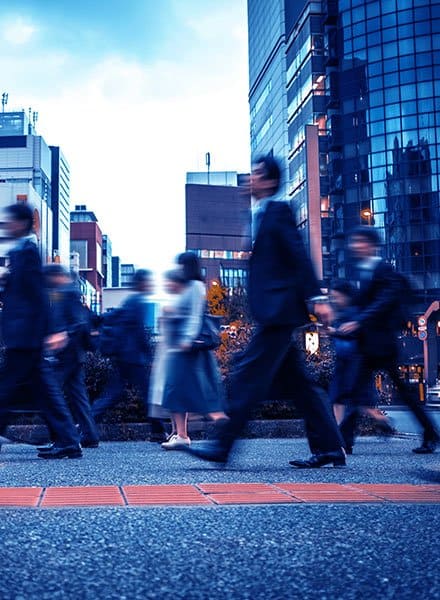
column 209, row 335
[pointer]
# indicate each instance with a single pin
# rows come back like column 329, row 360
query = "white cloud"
column 131, row 130
column 18, row 31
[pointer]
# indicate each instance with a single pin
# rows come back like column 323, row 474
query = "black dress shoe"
column 45, row 447
column 89, row 443
column 61, row 452
column 336, row 458
column 428, row 447
column 210, row 450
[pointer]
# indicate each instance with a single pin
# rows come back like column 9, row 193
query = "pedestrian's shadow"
column 427, row 475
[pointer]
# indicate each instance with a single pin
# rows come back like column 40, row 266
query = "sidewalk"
column 142, row 474
column 163, row 525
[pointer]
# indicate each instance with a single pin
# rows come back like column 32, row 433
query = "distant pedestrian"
column 68, row 315
column 132, row 352
column 281, row 282
column 345, row 393
column 192, row 381
column 341, row 389
column 377, row 321
column 25, row 325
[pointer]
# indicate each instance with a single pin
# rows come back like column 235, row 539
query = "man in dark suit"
column 68, row 315
column 25, row 327
column 281, row 281
column 132, row 355
column 378, row 320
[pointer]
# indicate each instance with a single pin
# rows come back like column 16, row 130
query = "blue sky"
column 135, row 92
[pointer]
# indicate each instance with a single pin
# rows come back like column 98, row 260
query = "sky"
column 135, row 92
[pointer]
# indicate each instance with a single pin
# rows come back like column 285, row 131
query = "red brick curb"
column 211, row 494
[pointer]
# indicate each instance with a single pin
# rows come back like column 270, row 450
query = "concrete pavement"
column 305, row 550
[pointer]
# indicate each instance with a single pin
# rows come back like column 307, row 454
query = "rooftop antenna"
column 208, row 162
column 34, row 118
column 5, row 97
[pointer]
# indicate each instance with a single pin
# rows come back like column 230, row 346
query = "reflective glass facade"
column 307, row 133
column 267, row 79
column 362, row 124
column 384, row 129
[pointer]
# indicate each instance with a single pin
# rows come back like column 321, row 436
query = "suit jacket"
column 281, row 276
column 378, row 311
column 25, row 302
column 135, row 345
column 68, row 314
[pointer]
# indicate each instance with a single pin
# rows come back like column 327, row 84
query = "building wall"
column 116, row 271
column 386, row 126
column 89, row 233
column 127, row 272
column 25, row 166
column 11, row 192
column 218, row 231
column 107, row 261
column 267, row 80
column 60, row 197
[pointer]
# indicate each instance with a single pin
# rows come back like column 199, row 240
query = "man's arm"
column 388, row 288
column 294, row 248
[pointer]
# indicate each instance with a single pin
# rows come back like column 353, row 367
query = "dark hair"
column 55, row 270
column 272, row 170
column 141, row 275
column 175, row 275
column 21, row 212
column 370, row 234
column 344, row 287
column 191, row 266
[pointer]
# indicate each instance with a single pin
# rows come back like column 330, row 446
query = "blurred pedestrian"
column 71, row 318
column 376, row 324
column 281, row 281
column 25, row 323
column 345, row 393
column 192, row 382
column 132, row 351
column 341, row 389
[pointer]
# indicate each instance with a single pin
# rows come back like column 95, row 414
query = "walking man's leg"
column 76, row 393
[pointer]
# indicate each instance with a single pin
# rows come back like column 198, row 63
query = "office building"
column 362, row 99
column 107, row 261
column 25, row 173
column 60, row 203
column 267, row 80
column 116, row 271
column 218, row 227
column 127, row 272
column 385, row 96
column 86, row 242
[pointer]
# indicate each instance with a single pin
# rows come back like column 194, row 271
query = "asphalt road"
column 298, row 551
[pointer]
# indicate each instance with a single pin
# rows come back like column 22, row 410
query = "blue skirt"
column 192, row 383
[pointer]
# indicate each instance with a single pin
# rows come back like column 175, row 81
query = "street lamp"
column 367, row 214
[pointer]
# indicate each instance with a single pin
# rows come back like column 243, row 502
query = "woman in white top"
column 192, row 379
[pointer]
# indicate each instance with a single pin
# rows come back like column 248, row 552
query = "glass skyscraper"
column 384, row 128
column 356, row 121
column 267, row 79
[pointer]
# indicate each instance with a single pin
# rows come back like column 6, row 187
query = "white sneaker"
column 176, row 443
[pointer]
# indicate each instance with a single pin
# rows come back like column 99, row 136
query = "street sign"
column 421, row 321
column 422, row 335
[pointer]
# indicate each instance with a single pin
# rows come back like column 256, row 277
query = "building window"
column 233, row 278
column 81, row 247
